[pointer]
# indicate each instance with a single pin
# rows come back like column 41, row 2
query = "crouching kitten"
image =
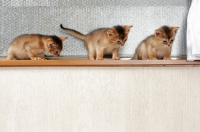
column 32, row 46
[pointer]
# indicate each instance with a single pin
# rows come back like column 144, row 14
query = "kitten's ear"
column 52, row 45
column 62, row 38
column 158, row 33
column 175, row 29
column 127, row 27
column 111, row 32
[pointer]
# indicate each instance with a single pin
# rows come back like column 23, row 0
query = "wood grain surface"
column 106, row 62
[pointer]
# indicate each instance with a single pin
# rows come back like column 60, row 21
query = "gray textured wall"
column 36, row 16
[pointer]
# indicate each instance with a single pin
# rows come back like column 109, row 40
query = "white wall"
column 100, row 99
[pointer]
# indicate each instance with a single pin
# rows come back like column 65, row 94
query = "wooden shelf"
column 96, row 63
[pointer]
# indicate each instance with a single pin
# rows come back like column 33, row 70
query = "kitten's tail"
column 73, row 32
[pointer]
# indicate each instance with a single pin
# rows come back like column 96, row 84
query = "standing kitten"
column 103, row 41
column 157, row 46
column 32, row 46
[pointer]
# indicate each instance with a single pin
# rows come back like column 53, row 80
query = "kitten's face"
column 119, row 34
column 54, row 49
column 167, row 41
column 55, row 45
column 166, row 35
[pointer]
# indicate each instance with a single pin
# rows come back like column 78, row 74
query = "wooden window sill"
column 81, row 62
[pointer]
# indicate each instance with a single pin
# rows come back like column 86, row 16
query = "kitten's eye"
column 172, row 40
column 125, row 40
column 164, row 42
column 118, row 41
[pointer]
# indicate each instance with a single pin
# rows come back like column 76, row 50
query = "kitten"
column 157, row 46
column 103, row 40
column 32, row 46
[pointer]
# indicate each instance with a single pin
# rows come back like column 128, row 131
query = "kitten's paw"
column 145, row 58
column 116, row 58
column 91, row 58
column 167, row 59
column 99, row 58
column 154, row 59
column 37, row 58
column 43, row 59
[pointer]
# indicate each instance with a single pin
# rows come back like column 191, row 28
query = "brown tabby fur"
column 157, row 46
column 103, row 41
column 32, row 46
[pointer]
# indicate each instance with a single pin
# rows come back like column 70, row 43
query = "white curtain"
column 193, row 32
